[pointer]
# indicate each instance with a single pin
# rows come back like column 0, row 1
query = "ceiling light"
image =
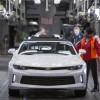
column 20, row 1
column 57, row 1
column 33, row 23
column 37, row 1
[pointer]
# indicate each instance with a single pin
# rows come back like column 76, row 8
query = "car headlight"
column 75, row 67
column 20, row 67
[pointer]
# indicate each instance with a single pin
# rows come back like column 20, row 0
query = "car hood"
column 48, row 60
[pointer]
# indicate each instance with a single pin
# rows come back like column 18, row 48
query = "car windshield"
column 30, row 48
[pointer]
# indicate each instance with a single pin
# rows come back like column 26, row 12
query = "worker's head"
column 92, row 10
column 76, row 30
column 88, row 32
column 42, row 30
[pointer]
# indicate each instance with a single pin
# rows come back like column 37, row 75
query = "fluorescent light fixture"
column 57, row 1
column 37, row 1
column 74, row 1
column 33, row 23
column 20, row 1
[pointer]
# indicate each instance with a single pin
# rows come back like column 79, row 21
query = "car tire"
column 80, row 93
column 14, row 92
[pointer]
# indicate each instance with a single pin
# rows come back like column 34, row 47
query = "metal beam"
column 47, row 9
column 95, row 4
column 84, row 6
column 9, row 6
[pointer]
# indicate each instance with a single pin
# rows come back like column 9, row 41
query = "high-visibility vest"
column 93, row 50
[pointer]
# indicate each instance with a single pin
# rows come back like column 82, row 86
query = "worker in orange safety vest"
column 92, row 47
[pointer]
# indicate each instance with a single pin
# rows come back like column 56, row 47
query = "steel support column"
column 95, row 4
column 84, row 6
column 9, row 6
column 87, row 4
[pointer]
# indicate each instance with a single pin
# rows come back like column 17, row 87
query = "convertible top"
column 46, row 38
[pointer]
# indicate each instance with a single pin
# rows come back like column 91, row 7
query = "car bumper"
column 78, row 86
column 78, row 80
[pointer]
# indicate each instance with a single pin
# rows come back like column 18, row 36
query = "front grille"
column 48, row 81
column 46, row 68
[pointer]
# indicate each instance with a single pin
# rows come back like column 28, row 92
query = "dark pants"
column 92, row 65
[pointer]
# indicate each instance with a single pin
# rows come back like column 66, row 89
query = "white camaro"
column 47, row 64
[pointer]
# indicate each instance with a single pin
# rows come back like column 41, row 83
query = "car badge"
column 48, row 68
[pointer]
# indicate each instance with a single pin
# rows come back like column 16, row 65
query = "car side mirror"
column 82, row 51
column 11, row 51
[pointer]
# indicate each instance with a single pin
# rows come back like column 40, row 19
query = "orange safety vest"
column 93, row 50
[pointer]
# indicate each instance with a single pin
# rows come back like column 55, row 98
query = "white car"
column 46, row 63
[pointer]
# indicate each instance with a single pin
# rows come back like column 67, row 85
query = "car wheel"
column 80, row 93
column 14, row 92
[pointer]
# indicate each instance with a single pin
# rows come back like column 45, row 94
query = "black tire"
column 80, row 93
column 14, row 92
